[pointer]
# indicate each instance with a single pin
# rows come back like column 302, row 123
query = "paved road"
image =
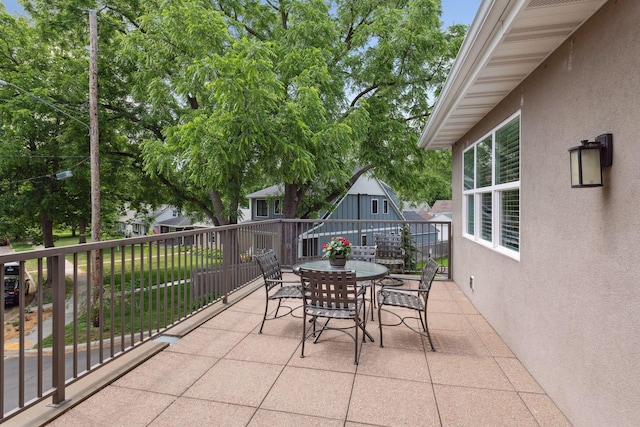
column 11, row 372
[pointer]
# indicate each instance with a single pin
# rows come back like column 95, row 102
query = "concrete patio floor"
column 225, row 373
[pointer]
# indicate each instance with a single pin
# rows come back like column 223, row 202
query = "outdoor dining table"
column 365, row 271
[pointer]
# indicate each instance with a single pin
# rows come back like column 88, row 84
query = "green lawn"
column 132, row 311
column 152, row 309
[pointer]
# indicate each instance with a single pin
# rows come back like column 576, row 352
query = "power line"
column 27, row 156
column 44, row 101
column 57, row 175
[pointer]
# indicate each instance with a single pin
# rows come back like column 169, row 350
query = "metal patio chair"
column 414, row 299
column 389, row 251
column 366, row 253
column 284, row 289
column 332, row 295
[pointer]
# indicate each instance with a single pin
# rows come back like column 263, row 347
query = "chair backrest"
column 363, row 253
column 388, row 245
column 329, row 289
column 270, row 268
column 429, row 272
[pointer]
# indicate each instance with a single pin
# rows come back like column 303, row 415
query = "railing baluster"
column 58, row 286
column 123, row 297
column 89, row 309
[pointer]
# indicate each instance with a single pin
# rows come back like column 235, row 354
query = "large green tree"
column 44, row 131
column 301, row 93
column 38, row 138
column 212, row 99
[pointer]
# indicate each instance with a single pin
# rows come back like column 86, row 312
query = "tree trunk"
column 292, row 197
column 47, row 230
column 47, row 236
column 82, row 229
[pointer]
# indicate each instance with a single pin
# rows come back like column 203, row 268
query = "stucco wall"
column 570, row 308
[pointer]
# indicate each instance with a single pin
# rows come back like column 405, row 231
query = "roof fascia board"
column 493, row 19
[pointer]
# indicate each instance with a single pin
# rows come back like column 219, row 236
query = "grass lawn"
column 134, row 312
column 134, row 267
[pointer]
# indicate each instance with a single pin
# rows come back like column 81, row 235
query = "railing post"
column 58, row 288
column 226, row 261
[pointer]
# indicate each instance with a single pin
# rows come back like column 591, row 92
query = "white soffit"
column 507, row 40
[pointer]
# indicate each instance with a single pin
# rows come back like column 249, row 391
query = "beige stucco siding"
column 570, row 308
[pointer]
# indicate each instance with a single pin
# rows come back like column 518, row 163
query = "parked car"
column 12, row 284
column 4, row 241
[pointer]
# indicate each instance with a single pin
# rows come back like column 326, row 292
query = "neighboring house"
column 166, row 219
column 266, row 203
column 133, row 224
column 441, row 207
column 555, row 268
column 367, row 199
column 443, row 224
column 422, row 210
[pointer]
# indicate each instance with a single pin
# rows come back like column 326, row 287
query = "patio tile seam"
column 144, row 390
column 436, row 383
column 236, row 359
column 320, row 417
column 224, row 402
column 396, row 378
column 531, row 411
column 515, row 386
column 433, row 389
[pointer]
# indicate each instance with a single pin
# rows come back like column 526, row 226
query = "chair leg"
column 304, row 331
column 380, row 322
column 425, row 327
column 264, row 318
column 355, row 341
column 278, row 308
column 373, row 303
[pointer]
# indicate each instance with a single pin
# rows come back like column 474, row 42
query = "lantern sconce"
column 588, row 159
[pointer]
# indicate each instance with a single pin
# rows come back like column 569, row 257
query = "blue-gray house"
column 368, row 199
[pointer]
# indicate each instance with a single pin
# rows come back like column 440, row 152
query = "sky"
column 453, row 11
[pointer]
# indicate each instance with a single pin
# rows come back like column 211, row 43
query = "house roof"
column 442, row 206
column 274, row 190
column 178, row 221
column 365, row 184
column 418, row 228
column 507, row 40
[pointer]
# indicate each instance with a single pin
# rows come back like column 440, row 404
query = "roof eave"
column 507, row 40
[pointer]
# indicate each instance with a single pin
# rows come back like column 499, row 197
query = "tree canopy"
column 203, row 101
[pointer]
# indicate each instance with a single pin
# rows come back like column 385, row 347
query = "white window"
column 374, row 206
column 491, row 189
column 385, row 206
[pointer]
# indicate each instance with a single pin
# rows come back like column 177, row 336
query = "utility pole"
column 93, row 121
column 96, row 271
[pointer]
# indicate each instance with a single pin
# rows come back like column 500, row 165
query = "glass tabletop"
column 364, row 270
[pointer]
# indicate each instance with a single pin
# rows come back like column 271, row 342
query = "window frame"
column 259, row 210
column 385, row 206
column 488, row 229
column 374, row 206
column 277, row 207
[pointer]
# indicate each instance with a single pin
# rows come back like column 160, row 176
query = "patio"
column 224, row 373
